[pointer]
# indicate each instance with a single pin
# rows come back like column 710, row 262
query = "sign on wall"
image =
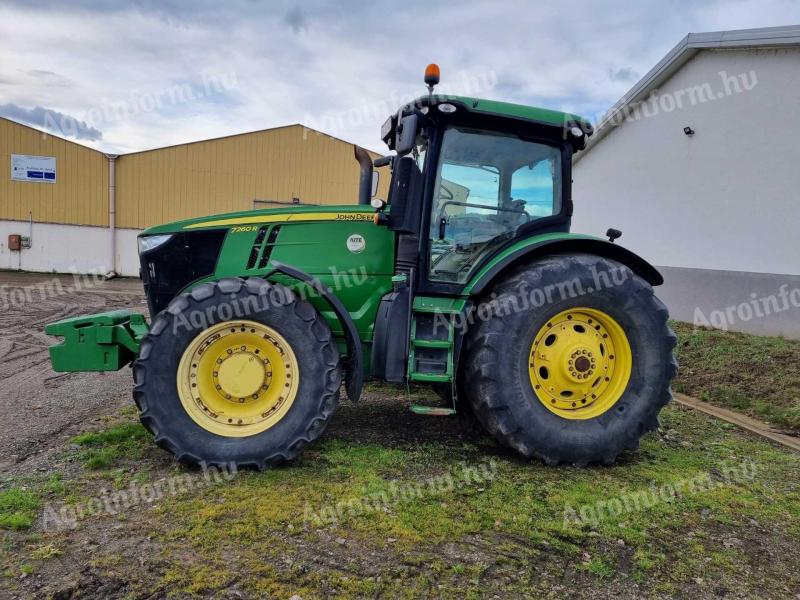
column 39, row 169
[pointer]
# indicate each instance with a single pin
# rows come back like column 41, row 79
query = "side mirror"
column 406, row 134
column 405, row 196
column 376, row 178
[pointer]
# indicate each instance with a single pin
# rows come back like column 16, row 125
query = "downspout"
column 112, row 215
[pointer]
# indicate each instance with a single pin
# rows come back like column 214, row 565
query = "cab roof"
column 509, row 110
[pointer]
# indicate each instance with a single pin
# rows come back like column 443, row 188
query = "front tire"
column 237, row 373
column 576, row 379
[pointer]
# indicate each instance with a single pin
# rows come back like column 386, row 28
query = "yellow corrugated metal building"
column 231, row 173
column 80, row 194
column 178, row 182
column 260, row 169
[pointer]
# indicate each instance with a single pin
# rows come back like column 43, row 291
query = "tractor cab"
column 472, row 176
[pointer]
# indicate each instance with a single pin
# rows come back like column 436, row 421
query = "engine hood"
column 294, row 214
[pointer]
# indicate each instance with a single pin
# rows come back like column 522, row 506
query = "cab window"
column 487, row 186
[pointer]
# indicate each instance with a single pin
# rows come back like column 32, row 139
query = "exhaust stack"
column 365, row 177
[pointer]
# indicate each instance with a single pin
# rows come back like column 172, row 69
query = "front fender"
column 559, row 243
column 354, row 370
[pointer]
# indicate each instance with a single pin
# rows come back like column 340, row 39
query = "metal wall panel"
column 80, row 194
column 228, row 174
column 179, row 182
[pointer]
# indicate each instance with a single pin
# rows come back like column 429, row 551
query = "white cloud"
column 51, row 120
column 336, row 64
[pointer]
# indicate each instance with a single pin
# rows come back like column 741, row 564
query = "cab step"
column 431, row 351
column 432, row 411
column 430, row 356
column 431, row 377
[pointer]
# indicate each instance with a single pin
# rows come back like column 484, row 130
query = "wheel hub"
column 238, row 378
column 241, row 375
column 580, row 363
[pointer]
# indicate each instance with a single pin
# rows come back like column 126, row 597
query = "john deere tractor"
column 467, row 278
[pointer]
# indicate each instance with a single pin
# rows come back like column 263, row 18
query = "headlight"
column 149, row 242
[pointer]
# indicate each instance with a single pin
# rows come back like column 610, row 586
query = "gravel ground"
column 250, row 537
column 40, row 408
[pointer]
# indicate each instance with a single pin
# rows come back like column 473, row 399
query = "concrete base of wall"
column 759, row 303
column 68, row 249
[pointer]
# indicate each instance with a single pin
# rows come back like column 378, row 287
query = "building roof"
column 256, row 131
column 686, row 49
column 222, row 137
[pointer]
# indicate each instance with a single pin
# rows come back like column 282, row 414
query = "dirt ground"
column 39, row 409
column 252, row 537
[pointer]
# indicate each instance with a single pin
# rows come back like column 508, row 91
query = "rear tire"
column 501, row 365
column 191, row 435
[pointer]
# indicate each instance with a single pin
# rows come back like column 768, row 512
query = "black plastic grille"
column 187, row 257
column 256, row 249
column 273, row 235
column 262, row 247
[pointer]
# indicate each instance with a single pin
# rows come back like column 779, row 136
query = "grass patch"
column 441, row 541
column 45, row 552
column 108, row 447
column 21, row 503
column 385, row 506
column 597, row 566
column 756, row 375
column 18, row 508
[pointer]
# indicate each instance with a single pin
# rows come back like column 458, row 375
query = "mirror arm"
column 442, row 227
column 424, row 120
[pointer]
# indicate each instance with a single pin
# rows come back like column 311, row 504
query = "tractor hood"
column 348, row 212
column 322, row 241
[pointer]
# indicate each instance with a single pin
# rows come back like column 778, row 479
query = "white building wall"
column 726, row 198
column 68, row 249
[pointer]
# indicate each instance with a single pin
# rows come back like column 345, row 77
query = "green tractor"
column 468, row 279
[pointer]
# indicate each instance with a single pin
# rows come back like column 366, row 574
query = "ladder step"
column 430, row 377
column 436, row 411
column 435, row 310
column 432, row 343
column 445, row 306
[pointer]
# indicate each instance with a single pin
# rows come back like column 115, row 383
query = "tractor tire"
column 278, row 354
column 541, row 377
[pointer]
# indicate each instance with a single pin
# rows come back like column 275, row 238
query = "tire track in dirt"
column 38, row 407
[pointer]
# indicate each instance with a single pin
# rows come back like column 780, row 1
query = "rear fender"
column 559, row 243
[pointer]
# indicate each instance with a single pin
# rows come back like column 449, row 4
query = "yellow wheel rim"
column 580, row 363
column 238, row 378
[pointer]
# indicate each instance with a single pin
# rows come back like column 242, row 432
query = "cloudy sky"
column 125, row 76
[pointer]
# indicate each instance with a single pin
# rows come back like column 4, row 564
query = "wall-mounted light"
column 688, row 130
